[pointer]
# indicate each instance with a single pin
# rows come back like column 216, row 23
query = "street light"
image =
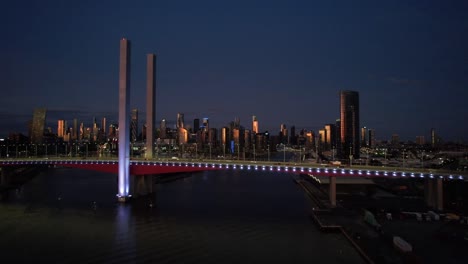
column 367, row 157
column 284, row 153
column 422, row 159
column 268, row 152
column 209, row 144
column 403, row 158
column 254, row 150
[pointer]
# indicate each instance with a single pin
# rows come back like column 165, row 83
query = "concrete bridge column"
column 332, row 190
column 5, row 176
column 144, row 185
column 440, row 194
column 149, row 183
column 140, row 186
column 429, row 192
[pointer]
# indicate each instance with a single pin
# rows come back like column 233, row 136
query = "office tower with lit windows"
column 364, row 141
column 254, row 125
column 420, row 140
column 180, row 120
column 38, row 124
column 349, row 116
column 330, row 136
column 60, row 128
column 283, row 134
column 162, row 129
column 371, row 138
column 206, row 124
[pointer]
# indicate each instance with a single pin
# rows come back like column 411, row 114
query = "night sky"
column 283, row 61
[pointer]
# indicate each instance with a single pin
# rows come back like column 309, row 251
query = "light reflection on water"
column 210, row 217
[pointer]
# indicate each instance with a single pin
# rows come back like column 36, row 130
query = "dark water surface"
column 209, row 217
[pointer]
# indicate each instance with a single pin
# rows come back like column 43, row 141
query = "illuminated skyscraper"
column 38, row 124
column 60, row 128
column 162, row 129
column 349, row 116
column 103, row 125
column 254, row 125
column 330, row 138
column 364, row 141
column 206, row 124
column 180, row 120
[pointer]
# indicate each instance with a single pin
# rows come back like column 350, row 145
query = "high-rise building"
column 420, row 140
column 283, row 134
column 103, row 125
column 371, row 142
column 395, row 140
column 338, row 146
column 330, row 136
column 349, row 116
column 322, row 139
column 196, row 125
column 364, row 141
column 75, row 129
column 225, row 139
column 60, row 128
column 292, row 136
column 134, row 126
column 237, row 122
column 162, row 129
column 206, row 124
column 180, row 120
column 433, row 137
column 38, row 124
column 254, row 125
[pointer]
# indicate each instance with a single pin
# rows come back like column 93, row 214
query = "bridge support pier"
column 144, row 185
column 429, row 192
column 5, row 176
column 332, row 190
column 434, row 193
column 440, row 194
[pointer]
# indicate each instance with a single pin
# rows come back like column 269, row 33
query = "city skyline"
column 284, row 64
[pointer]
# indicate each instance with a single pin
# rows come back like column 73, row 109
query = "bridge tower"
column 150, row 103
column 124, row 105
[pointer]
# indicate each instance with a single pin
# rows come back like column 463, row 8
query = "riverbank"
column 432, row 240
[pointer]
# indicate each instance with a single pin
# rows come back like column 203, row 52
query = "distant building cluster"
column 343, row 138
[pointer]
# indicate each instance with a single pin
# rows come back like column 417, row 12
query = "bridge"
column 143, row 170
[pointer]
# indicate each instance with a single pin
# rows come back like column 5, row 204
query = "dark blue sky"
column 283, row 61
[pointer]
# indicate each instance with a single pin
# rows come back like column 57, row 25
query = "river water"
column 207, row 217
